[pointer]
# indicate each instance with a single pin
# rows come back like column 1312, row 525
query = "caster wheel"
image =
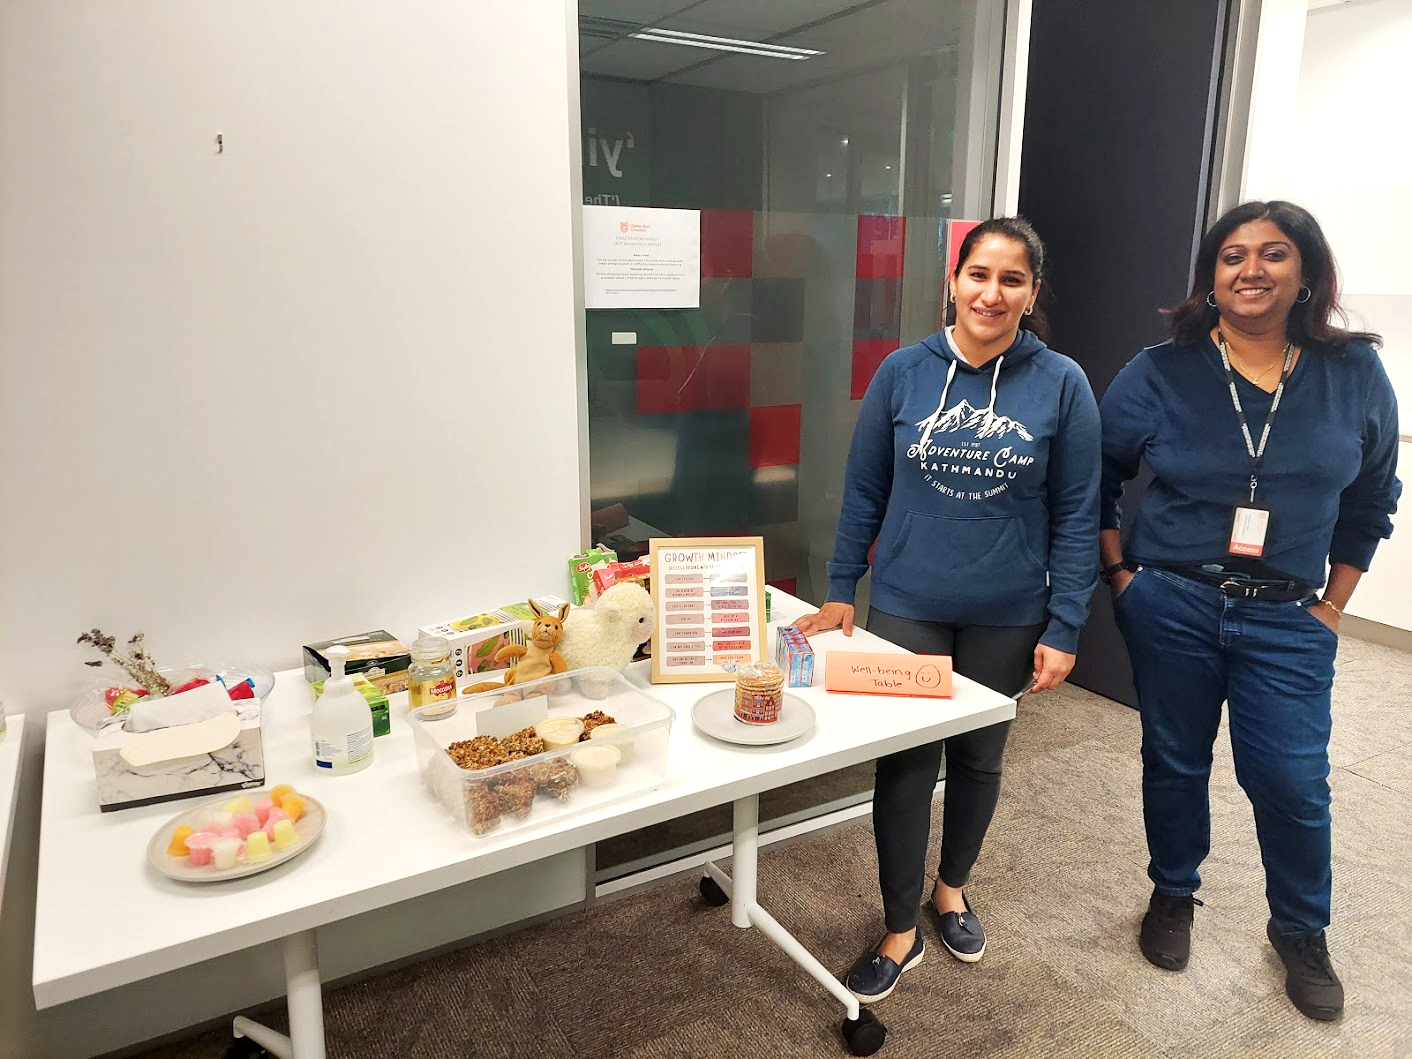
column 712, row 892
column 245, row 1048
column 865, row 1034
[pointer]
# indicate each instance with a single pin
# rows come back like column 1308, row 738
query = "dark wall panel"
column 1114, row 176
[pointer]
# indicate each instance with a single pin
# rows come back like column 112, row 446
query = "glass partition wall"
column 825, row 144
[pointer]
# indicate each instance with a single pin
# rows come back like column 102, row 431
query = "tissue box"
column 121, row 786
column 476, row 639
column 378, row 656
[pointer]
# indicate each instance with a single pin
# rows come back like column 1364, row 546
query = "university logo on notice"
column 623, row 227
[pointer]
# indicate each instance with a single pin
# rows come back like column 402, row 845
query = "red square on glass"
column 880, row 244
column 692, row 378
column 727, row 243
column 774, row 436
column 868, row 355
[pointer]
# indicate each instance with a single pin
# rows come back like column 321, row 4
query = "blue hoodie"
column 980, row 486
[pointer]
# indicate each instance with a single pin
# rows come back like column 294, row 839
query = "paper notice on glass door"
column 641, row 258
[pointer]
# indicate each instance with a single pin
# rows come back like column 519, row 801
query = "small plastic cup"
column 559, row 732
column 614, row 734
column 597, row 765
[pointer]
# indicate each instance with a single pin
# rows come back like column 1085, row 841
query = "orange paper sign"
column 927, row 676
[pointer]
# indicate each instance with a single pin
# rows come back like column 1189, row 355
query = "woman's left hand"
column 1051, row 667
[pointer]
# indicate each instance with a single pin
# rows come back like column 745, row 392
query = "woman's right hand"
column 829, row 616
column 1121, row 580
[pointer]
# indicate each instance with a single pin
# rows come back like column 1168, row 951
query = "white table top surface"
column 386, row 841
column 9, row 785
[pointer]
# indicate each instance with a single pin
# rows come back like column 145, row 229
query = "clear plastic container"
column 546, row 786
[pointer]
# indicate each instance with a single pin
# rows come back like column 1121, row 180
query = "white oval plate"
column 307, row 829
column 715, row 715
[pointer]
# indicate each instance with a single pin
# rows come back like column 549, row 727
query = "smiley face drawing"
column 929, row 676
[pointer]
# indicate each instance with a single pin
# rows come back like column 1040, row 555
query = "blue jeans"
column 1273, row 664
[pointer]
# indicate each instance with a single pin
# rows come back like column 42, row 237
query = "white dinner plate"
column 307, row 829
column 715, row 715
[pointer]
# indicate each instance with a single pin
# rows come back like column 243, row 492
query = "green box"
column 581, row 569
column 382, row 715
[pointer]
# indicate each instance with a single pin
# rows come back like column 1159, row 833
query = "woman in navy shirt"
column 1271, row 435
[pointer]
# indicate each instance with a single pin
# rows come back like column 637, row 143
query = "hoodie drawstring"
column 930, row 424
column 994, row 381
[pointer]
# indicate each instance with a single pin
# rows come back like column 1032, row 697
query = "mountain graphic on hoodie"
column 984, row 421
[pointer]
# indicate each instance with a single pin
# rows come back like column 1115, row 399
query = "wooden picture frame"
column 700, row 587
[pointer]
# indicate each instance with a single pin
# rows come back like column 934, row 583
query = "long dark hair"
column 1018, row 229
column 1309, row 321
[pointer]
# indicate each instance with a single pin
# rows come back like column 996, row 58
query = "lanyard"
column 1257, row 454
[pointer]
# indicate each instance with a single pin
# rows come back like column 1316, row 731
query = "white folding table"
column 9, row 786
column 169, row 925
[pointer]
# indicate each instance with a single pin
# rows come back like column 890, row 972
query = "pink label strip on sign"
column 736, row 658
column 686, row 661
column 684, row 593
column 730, row 645
column 729, row 617
column 733, row 631
column 684, row 619
column 685, row 632
column 686, row 645
column 682, row 606
column 683, row 579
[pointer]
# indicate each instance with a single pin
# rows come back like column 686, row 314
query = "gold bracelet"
column 1331, row 605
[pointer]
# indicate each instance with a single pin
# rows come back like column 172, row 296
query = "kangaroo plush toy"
column 538, row 658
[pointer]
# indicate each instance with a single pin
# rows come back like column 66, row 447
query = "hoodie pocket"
column 963, row 559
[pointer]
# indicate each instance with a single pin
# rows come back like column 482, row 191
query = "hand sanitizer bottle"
column 342, row 721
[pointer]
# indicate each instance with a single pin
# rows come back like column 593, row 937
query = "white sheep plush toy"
column 608, row 633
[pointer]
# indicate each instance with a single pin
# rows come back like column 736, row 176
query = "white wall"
column 1354, row 84
column 321, row 382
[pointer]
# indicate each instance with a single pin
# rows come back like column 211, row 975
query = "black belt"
column 1234, row 586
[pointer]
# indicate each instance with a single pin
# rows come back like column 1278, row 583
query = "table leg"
column 863, row 1033
column 304, row 997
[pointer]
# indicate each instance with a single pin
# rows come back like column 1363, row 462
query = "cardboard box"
column 476, row 639
column 238, row 766
column 378, row 656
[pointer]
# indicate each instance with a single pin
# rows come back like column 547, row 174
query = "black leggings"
column 999, row 657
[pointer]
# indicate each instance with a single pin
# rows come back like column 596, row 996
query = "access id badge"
column 1249, row 527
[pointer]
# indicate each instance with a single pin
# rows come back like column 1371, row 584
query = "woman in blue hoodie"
column 974, row 466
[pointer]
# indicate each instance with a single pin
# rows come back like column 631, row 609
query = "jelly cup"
column 198, row 848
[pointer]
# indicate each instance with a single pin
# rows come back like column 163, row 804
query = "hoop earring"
column 1211, row 299
column 1306, row 295
column 1029, row 311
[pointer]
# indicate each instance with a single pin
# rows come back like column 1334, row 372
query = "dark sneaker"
column 874, row 976
column 1310, row 980
column 961, row 932
column 1165, row 938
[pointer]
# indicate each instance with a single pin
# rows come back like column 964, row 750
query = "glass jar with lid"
column 431, row 679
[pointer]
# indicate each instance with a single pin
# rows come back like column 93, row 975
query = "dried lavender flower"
column 137, row 664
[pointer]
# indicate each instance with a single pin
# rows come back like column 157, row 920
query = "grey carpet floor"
column 1061, row 887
